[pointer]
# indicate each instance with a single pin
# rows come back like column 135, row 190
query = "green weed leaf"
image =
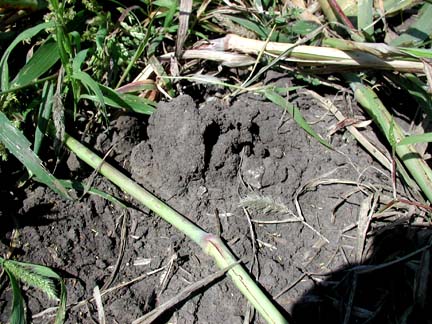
column 257, row 29
column 79, row 60
column 419, row 31
column 41, row 61
column 415, row 139
column 79, row 186
column 29, row 33
column 39, row 277
column 123, row 101
column 45, row 109
column 91, row 85
column 295, row 113
column 17, row 313
column 19, row 146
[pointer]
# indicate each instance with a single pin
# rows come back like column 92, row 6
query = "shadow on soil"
column 391, row 286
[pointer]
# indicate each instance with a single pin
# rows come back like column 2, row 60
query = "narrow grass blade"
column 416, row 88
column 418, row 168
column 211, row 244
column 417, row 52
column 41, row 61
column 17, row 313
column 139, row 105
column 48, row 273
column 295, row 114
column 79, row 186
column 91, row 85
column 79, row 60
column 29, row 33
column 42, row 278
column 136, row 86
column 129, row 102
column 45, row 110
column 160, row 72
column 414, row 139
column 19, row 146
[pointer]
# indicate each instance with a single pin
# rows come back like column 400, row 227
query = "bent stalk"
column 211, row 244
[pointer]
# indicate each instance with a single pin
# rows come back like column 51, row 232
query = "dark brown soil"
column 205, row 161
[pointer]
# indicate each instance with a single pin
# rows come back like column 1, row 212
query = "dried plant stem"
column 418, row 168
column 211, row 244
column 313, row 55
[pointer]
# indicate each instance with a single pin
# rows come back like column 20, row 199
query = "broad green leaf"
column 19, row 146
column 365, row 16
column 164, row 3
column 28, row 33
column 258, row 29
column 41, row 61
column 392, row 137
column 168, row 22
column 139, row 105
column 393, row 6
column 17, row 313
column 419, row 31
column 414, row 139
column 303, row 27
column 295, row 113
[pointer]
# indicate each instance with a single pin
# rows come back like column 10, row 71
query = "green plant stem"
column 418, row 168
column 211, row 244
column 23, row 4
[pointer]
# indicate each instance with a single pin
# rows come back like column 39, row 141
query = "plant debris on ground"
column 215, row 161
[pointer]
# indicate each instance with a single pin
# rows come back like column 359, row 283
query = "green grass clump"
column 39, row 277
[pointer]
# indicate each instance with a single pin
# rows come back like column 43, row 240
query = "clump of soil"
column 231, row 169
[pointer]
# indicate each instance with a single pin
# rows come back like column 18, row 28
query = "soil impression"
column 235, row 170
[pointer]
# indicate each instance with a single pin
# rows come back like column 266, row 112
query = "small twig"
column 367, row 208
column 339, row 12
column 81, row 303
column 98, row 300
column 289, row 287
column 166, row 276
column 120, row 252
column 349, row 306
column 253, row 239
column 370, row 268
column 184, row 14
column 183, row 295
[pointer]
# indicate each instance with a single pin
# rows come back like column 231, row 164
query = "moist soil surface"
column 287, row 206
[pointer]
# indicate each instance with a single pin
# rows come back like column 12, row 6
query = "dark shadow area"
column 392, row 285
